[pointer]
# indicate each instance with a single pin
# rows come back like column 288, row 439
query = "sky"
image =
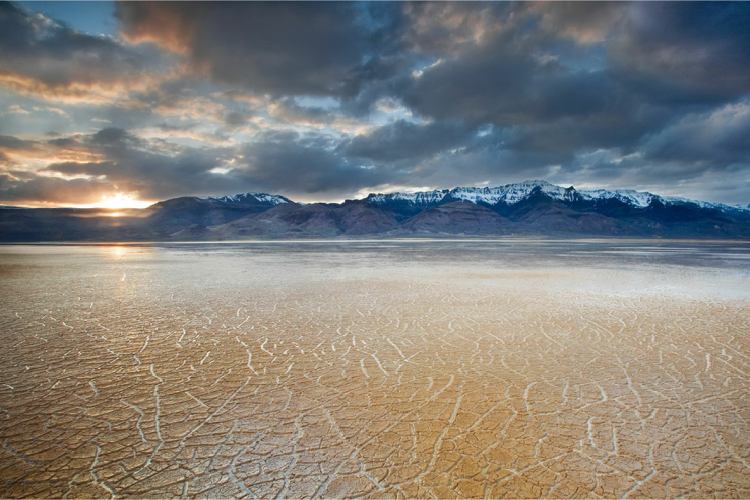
column 108, row 104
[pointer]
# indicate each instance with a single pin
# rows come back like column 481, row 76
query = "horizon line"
column 141, row 204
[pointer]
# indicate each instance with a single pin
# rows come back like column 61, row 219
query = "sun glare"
column 119, row 200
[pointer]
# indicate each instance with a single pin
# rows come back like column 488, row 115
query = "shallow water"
column 515, row 368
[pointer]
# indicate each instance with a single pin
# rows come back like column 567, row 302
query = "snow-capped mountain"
column 251, row 198
column 532, row 207
column 508, row 194
column 418, row 198
column 511, row 194
column 640, row 199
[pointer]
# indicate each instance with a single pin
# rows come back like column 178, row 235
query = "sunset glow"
column 400, row 249
column 120, row 200
column 376, row 95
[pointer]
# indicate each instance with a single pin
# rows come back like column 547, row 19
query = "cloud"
column 109, row 160
column 448, row 28
column 50, row 190
column 717, row 138
column 676, row 52
column 585, row 22
column 71, row 168
column 517, row 73
column 559, row 84
column 292, row 164
column 44, row 57
column 403, row 140
column 11, row 142
column 274, row 48
column 324, row 100
column 155, row 169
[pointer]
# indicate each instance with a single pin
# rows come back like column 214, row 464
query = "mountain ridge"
column 514, row 192
column 533, row 207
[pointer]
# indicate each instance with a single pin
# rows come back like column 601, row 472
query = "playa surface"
column 514, row 368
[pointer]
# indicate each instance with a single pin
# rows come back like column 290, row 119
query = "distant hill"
column 527, row 208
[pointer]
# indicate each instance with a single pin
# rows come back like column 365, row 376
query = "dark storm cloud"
column 524, row 70
column 85, row 168
column 694, row 51
column 404, row 140
column 276, row 48
column 49, row 189
column 291, row 164
column 152, row 167
column 443, row 29
column 276, row 162
column 45, row 57
column 524, row 78
column 584, row 22
column 505, row 85
column 623, row 124
column 128, row 163
column 327, row 99
column 717, row 138
column 483, row 160
column 518, row 77
column 521, row 74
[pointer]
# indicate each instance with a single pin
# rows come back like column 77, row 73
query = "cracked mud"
column 384, row 369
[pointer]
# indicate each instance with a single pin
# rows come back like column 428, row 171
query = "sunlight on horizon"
column 120, row 200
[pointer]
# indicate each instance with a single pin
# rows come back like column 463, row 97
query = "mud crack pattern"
column 154, row 372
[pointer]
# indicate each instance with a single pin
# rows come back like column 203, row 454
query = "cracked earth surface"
column 383, row 371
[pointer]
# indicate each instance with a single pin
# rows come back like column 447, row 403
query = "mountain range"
column 527, row 208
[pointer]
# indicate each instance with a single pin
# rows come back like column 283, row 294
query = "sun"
column 121, row 200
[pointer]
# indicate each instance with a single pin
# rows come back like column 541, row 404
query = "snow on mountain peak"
column 508, row 194
column 417, row 198
column 640, row 199
column 245, row 197
column 511, row 194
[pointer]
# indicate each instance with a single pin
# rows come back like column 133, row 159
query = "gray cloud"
column 694, row 52
column 45, row 57
column 49, row 189
column 288, row 163
column 11, row 142
column 276, row 162
column 289, row 98
column 404, row 140
column 276, row 48
column 129, row 164
column 717, row 138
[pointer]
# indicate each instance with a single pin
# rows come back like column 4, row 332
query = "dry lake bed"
column 510, row 368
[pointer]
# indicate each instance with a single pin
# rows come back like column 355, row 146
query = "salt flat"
column 512, row 368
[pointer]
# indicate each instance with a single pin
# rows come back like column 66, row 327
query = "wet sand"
column 382, row 369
